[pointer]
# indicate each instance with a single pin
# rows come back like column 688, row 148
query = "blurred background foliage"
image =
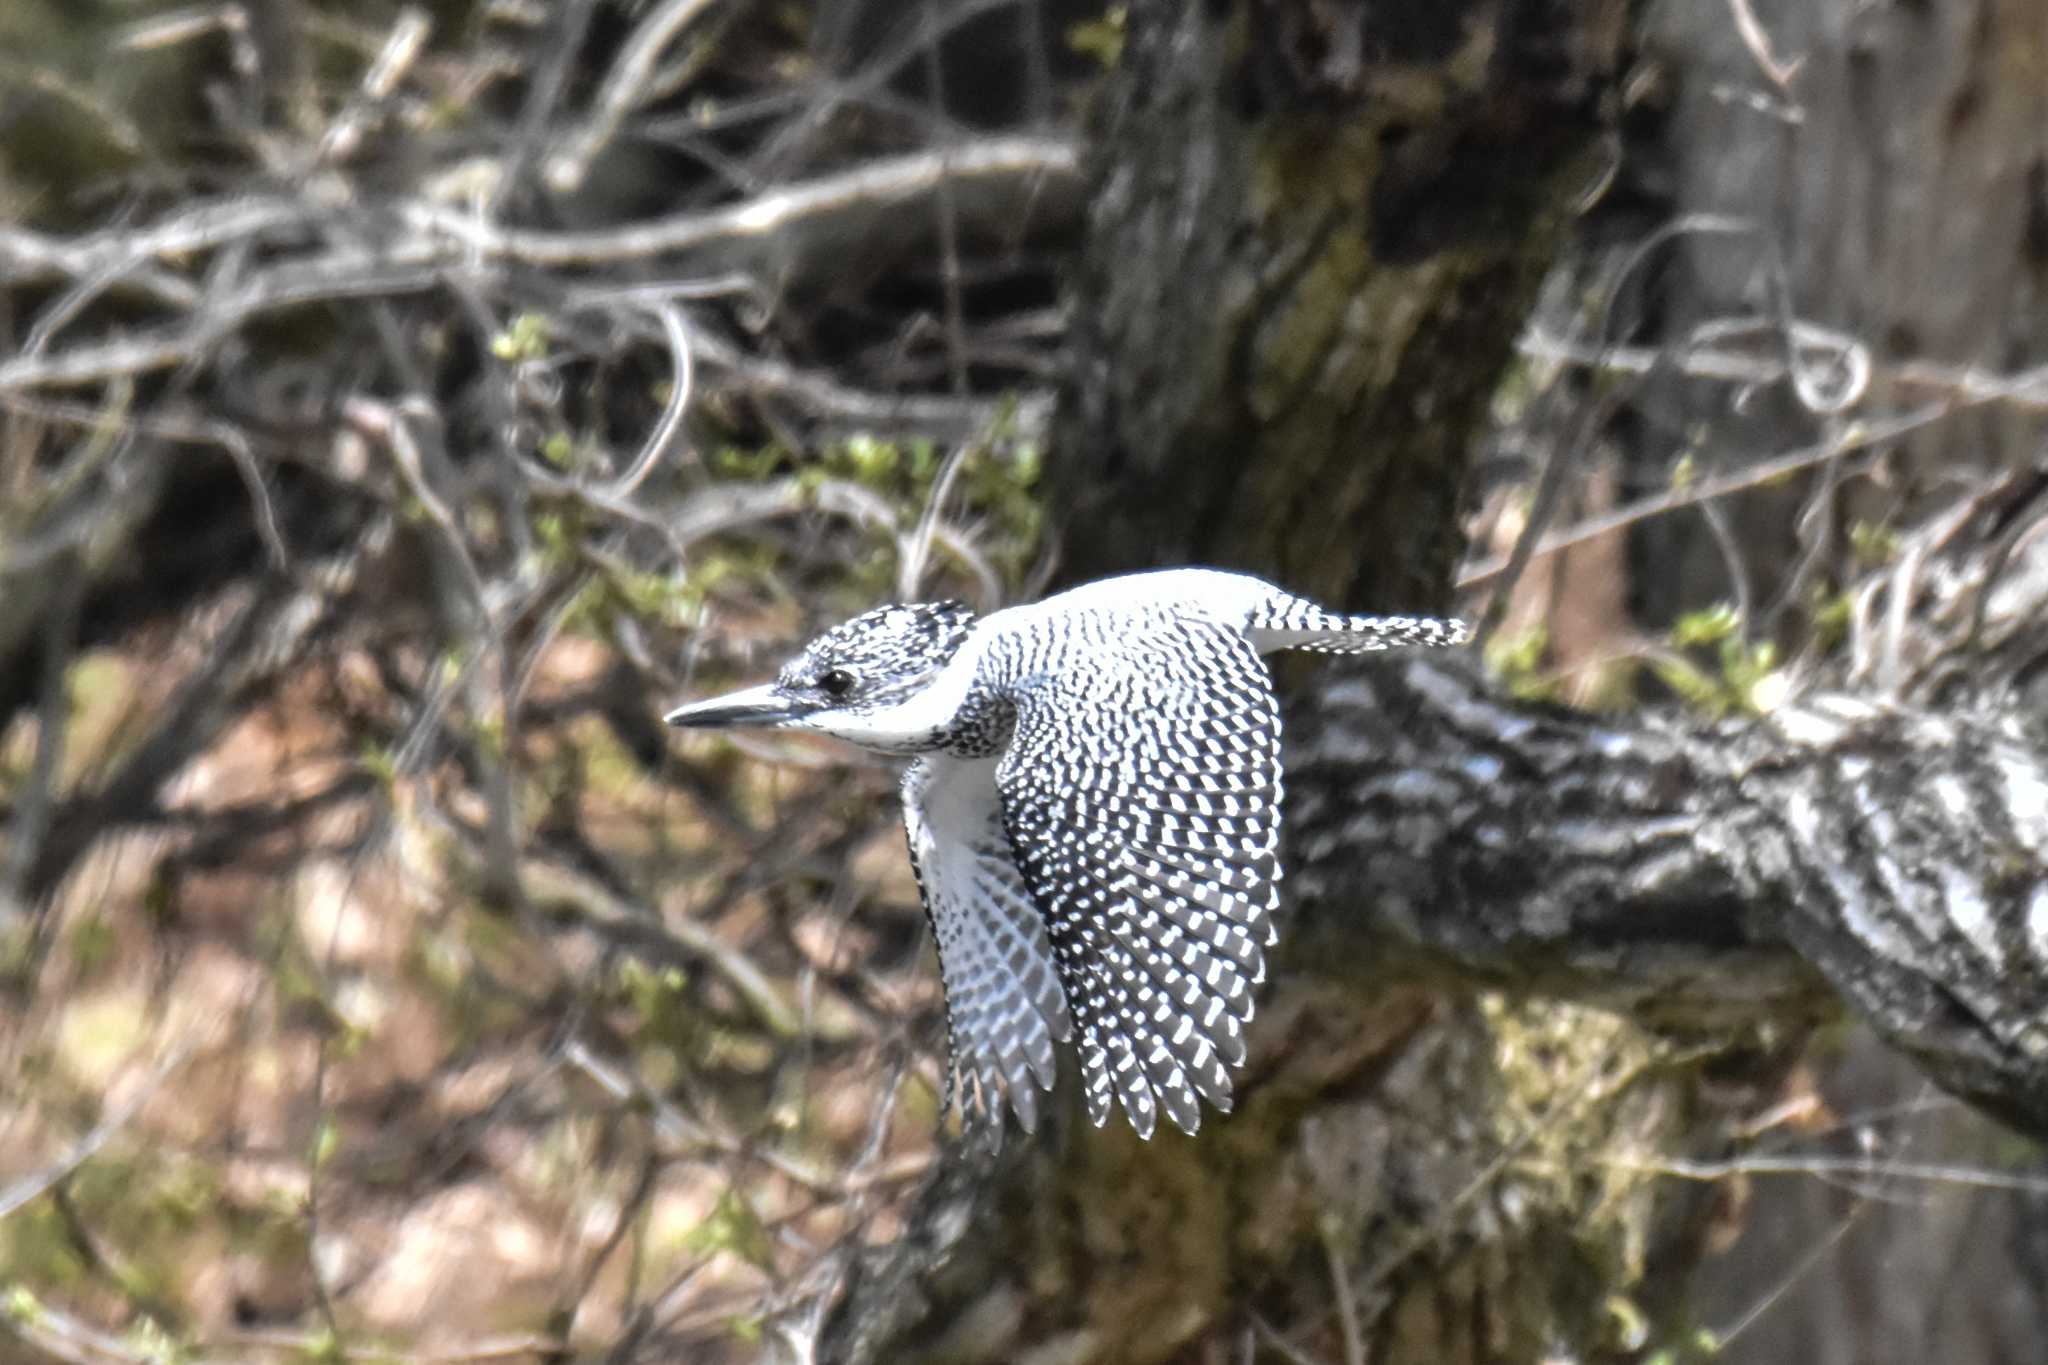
column 378, row 977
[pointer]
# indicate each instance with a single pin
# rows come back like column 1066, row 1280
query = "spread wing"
column 1143, row 806
column 1004, row 1007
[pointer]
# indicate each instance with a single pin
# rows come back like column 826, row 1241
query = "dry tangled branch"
column 366, row 490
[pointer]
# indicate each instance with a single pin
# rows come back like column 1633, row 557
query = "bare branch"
column 624, row 86
column 33, row 1185
column 999, row 161
column 665, row 433
column 1852, row 438
column 402, row 47
column 1754, row 38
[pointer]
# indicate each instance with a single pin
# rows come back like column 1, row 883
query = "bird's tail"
column 1289, row 622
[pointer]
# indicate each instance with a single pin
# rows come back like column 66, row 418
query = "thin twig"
column 120, row 130
column 285, row 286
column 391, row 427
column 680, row 1129
column 879, row 183
column 1779, row 73
column 869, row 82
column 1852, row 438
column 37, row 797
column 562, row 44
column 671, row 423
column 1586, row 422
column 623, row 87
column 402, row 47
column 1867, row 1167
column 1340, row 1287
column 548, row 881
column 29, row 1187
column 947, row 213
column 916, row 550
column 31, row 257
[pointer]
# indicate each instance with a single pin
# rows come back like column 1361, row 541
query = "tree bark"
column 1694, row 878
column 1315, row 232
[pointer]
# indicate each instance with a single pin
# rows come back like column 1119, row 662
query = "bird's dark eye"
column 836, row 682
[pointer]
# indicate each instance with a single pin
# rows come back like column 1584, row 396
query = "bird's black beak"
column 760, row 707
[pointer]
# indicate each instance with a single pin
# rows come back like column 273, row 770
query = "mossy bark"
column 1315, row 234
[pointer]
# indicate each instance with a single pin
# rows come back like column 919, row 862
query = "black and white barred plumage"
column 1094, row 817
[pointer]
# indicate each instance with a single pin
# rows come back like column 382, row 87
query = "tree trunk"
column 1315, row 233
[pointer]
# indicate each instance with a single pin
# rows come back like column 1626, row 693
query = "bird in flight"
column 1094, row 817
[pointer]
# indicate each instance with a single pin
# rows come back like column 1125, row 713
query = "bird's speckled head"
column 879, row 657
column 867, row 681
